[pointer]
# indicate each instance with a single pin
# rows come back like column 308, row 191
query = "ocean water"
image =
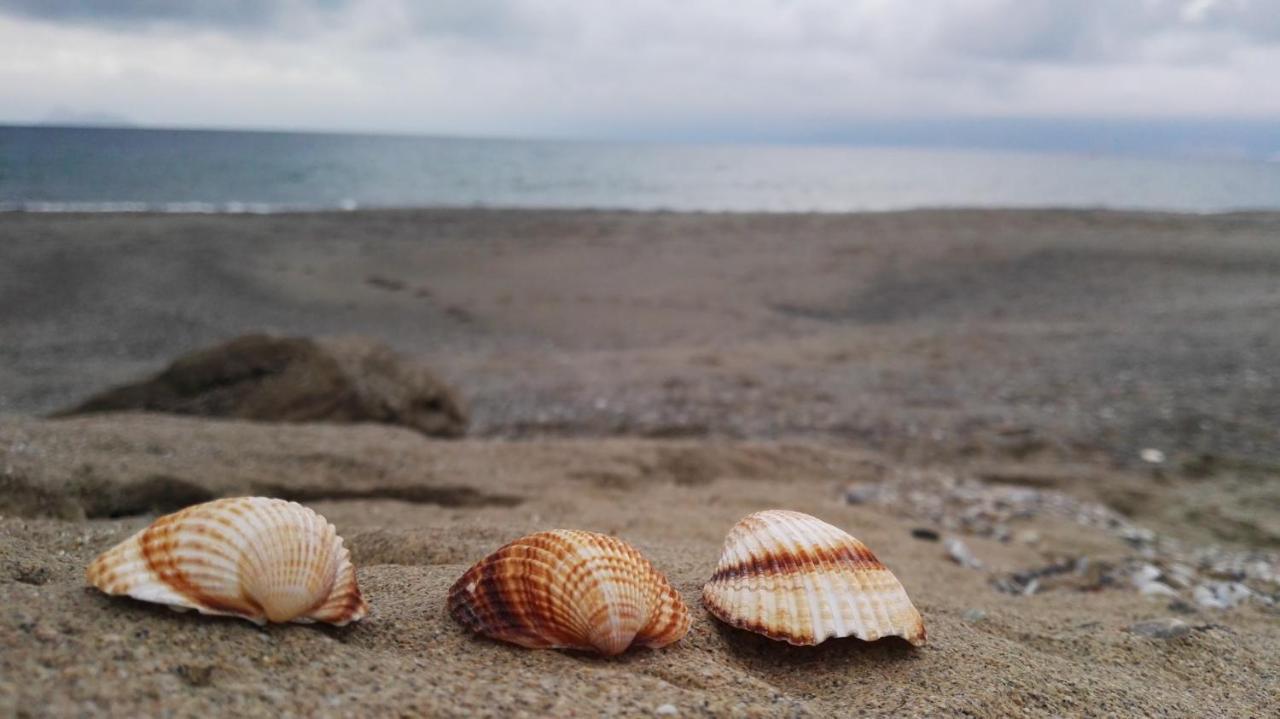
column 81, row 169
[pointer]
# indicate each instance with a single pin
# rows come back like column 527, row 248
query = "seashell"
column 570, row 589
column 793, row 577
column 252, row 557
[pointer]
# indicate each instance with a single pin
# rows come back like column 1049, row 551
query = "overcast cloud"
column 728, row 69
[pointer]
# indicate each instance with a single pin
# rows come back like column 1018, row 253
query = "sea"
column 63, row 169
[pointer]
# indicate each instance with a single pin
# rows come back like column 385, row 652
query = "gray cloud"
column 671, row 68
column 1099, row 31
column 994, row 30
column 225, row 13
column 481, row 20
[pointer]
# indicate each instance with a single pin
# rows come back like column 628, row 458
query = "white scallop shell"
column 253, row 557
column 793, row 577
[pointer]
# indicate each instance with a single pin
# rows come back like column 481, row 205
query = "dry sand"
column 658, row 377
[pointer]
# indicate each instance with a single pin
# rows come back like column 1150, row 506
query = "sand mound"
column 294, row 379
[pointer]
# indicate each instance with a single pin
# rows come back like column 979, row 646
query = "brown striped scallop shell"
column 793, row 577
column 570, row 589
column 252, row 557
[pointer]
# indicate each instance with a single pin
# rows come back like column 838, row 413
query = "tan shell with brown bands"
column 793, row 577
column 570, row 589
column 252, row 557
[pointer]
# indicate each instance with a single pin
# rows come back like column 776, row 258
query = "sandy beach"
column 1088, row 401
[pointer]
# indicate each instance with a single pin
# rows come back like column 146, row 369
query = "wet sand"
column 658, row 376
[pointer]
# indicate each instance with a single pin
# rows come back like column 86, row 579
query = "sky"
column 1192, row 75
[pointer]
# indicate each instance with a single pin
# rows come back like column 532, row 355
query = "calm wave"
column 80, row 169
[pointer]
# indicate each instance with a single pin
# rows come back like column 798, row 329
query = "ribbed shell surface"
column 793, row 577
column 570, row 589
column 252, row 557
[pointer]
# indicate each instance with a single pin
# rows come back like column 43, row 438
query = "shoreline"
column 146, row 209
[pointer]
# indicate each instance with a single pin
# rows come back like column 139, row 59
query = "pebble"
column 974, row 615
column 925, row 534
column 1220, row 595
column 1151, row 455
column 1137, row 535
column 1179, row 575
column 1145, row 574
column 1157, row 589
column 666, row 710
column 1167, row 628
column 860, row 494
column 961, row 555
column 45, row 633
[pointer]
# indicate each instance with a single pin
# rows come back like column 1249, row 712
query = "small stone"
column 1167, row 628
column 1137, row 536
column 926, row 534
column 974, row 615
column 1220, row 595
column 859, row 494
column 1029, row 537
column 1150, row 455
column 961, row 555
column 1180, row 576
column 1182, row 607
column 666, row 710
column 1157, row 589
column 1146, row 573
column 194, row 674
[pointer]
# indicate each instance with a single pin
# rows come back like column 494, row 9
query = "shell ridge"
column 124, row 569
column 158, row 544
column 509, row 616
column 667, row 611
column 760, row 583
column 495, row 608
column 488, row 605
column 823, row 603
column 806, row 607
column 574, row 620
column 585, row 598
column 838, row 544
column 665, row 622
column 611, row 610
column 793, row 608
column 345, row 603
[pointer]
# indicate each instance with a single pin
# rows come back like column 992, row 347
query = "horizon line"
column 1248, row 138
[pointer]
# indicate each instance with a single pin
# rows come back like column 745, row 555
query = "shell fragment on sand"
column 570, row 589
column 252, row 557
column 793, row 577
